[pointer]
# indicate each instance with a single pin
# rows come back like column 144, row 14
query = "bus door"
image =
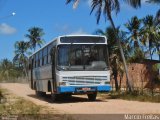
column 53, row 56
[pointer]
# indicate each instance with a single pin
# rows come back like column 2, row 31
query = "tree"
column 35, row 37
column 108, row 6
column 21, row 48
column 7, row 70
column 157, row 23
column 134, row 26
column 151, row 32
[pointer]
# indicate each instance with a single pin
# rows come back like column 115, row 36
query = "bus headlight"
column 63, row 83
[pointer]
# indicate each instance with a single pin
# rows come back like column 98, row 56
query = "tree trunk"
column 150, row 53
column 115, row 74
column 129, row 83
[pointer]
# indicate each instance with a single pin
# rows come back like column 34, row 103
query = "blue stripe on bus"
column 63, row 89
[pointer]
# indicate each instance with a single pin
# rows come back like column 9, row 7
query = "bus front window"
column 82, row 57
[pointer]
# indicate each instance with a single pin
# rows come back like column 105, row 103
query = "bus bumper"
column 83, row 89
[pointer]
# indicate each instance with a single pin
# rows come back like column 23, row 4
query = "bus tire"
column 67, row 96
column 54, row 97
column 92, row 96
column 43, row 94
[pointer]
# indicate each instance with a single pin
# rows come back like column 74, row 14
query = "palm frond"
column 134, row 3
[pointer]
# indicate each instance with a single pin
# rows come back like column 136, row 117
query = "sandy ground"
column 81, row 105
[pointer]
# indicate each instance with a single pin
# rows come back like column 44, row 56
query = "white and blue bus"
column 71, row 64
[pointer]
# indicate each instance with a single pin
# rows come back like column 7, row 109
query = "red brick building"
column 141, row 74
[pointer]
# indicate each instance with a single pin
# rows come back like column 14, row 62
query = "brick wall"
column 141, row 74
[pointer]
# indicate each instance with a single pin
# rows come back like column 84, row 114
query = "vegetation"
column 22, row 47
column 21, row 55
column 19, row 108
column 11, row 104
column 8, row 70
column 35, row 37
column 136, row 96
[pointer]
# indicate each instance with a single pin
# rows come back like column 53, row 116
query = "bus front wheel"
column 92, row 96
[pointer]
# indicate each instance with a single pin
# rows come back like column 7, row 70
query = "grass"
column 135, row 96
column 14, row 106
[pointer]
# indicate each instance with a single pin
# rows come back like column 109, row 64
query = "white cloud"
column 79, row 32
column 6, row 29
column 67, row 29
column 62, row 28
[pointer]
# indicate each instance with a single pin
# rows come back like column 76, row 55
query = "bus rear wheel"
column 40, row 93
column 54, row 97
column 92, row 96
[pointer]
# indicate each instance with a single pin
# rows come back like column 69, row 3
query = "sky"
column 56, row 18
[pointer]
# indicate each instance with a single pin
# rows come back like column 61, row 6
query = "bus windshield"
column 89, row 57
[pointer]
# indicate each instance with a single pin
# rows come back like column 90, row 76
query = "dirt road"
column 81, row 105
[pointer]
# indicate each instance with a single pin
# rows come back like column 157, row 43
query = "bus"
column 70, row 65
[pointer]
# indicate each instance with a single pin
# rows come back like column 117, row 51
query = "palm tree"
column 151, row 31
column 35, row 36
column 134, row 26
column 108, row 6
column 137, row 42
column 157, row 23
column 21, row 48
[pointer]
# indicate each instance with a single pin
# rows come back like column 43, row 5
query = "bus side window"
column 45, row 56
column 52, row 55
column 34, row 61
column 40, row 58
column 29, row 66
column 49, row 57
column 37, row 60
